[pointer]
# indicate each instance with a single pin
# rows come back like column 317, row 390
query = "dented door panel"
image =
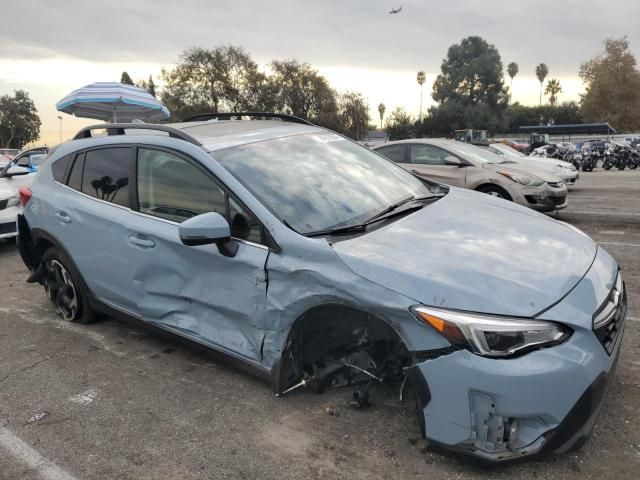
column 198, row 291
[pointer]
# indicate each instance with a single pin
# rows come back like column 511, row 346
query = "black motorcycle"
column 590, row 156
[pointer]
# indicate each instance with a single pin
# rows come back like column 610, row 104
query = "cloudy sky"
column 49, row 47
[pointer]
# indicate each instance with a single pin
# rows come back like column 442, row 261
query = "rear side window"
column 59, row 168
column 106, row 174
column 75, row 177
column 395, row 153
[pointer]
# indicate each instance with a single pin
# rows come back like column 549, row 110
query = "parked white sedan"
column 565, row 170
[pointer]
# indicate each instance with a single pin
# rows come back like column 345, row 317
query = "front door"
column 431, row 162
column 195, row 291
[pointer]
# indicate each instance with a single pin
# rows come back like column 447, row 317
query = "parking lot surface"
column 116, row 400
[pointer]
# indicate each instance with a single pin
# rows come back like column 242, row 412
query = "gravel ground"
column 114, row 400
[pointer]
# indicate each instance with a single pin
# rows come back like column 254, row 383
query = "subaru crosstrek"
column 317, row 263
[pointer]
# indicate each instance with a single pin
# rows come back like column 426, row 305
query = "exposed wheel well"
column 329, row 333
column 489, row 187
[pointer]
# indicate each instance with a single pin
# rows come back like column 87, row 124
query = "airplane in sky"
column 395, row 10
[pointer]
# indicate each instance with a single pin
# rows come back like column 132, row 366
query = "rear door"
column 430, row 162
column 195, row 291
column 89, row 217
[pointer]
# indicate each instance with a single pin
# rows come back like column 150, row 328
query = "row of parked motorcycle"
column 585, row 156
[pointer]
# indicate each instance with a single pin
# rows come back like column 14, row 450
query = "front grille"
column 7, row 228
column 607, row 321
column 558, row 200
column 3, row 204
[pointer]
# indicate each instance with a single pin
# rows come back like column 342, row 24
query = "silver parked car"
column 506, row 324
column 463, row 165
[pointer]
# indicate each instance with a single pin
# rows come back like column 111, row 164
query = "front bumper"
column 542, row 199
column 499, row 410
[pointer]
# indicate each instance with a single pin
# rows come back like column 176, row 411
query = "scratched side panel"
column 200, row 292
column 310, row 275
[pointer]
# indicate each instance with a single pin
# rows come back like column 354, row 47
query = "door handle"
column 140, row 241
column 62, row 217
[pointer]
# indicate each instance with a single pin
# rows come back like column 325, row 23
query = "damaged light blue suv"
column 315, row 263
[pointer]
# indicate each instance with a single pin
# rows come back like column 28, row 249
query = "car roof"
column 212, row 134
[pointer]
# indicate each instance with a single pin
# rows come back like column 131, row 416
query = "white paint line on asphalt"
column 623, row 214
column 23, row 452
column 634, row 319
column 620, row 244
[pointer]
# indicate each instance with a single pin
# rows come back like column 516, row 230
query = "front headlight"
column 13, row 202
column 522, row 179
column 492, row 336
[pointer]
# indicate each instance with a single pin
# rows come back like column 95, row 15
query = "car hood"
column 474, row 252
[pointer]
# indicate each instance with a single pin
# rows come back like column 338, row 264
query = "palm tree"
column 541, row 72
column 381, row 109
column 422, row 77
column 553, row 89
column 512, row 70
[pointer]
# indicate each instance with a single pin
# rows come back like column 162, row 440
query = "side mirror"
column 14, row 170
column 452, row 161
column 206, row 229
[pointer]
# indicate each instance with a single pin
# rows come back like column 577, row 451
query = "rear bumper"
column 545, row 402
column 8, row 230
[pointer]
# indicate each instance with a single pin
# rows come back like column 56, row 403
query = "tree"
column 612, row 82
column 470, row 89
column 222, row 79
column 541, row 72
column 126, row 79
column 512, row 70
column 421, row 78
column 354, row 115
column 381, row 110
column 298, row 89
column 553, row 89
column 400, row 125
column 519, row 115
column 151, row 86
column 19, row 120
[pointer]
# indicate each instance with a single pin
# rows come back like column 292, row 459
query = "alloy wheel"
column 61, row 290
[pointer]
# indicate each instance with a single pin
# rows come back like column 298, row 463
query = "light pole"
column 60, row 118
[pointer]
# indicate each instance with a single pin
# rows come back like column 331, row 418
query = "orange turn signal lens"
column 447, row 329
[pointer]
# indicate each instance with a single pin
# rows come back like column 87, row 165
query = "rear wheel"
column 495, row 191
column 64, row 288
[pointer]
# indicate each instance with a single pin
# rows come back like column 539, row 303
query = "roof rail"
column 203, row 117
column 119, row 129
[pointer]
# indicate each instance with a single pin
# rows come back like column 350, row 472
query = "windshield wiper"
column 390, row 208
column 386, row 213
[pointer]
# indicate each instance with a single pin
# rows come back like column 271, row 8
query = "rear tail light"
column 25, row 195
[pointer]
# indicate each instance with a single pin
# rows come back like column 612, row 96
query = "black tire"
column 607, row 166
column 65, row 288
column 495, row 191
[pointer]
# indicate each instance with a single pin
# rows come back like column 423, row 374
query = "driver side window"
column 423, row 154
column 175, row 189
